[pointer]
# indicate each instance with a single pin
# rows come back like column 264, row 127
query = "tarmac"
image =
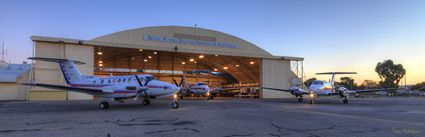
column 221, row 117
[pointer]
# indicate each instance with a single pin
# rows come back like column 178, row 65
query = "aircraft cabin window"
column 94, row 81
column 199, row 84
column 115, row 80
column 102, row 81
column 129, row 80
column 123, row 80
column 119, row 80
column 318, row 83
column 109, row 80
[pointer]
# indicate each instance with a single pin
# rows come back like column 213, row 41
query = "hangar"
column 167, row 52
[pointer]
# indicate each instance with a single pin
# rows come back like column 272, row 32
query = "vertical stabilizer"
column 70, row 71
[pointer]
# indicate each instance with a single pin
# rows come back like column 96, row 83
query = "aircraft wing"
column 69, row 88
column 375, row 90
column 286, row 90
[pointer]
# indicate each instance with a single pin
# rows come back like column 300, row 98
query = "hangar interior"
column 167, row 52
column 214, row 70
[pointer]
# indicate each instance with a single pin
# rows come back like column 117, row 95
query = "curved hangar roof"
column 186, row 39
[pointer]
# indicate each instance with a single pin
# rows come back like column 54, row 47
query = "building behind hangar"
column 167, row 52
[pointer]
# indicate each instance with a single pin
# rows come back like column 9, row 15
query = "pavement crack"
column 172, row 130
column 19, row 130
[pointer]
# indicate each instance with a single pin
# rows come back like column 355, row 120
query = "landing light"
column 215, row 69
column 216, row 55
column 191, row 60
column 100, row 62
column 133, row 58
column 252, row 62
column 99, row 53
column 237, row 65
column 140, row 49
column 100, row 65
column 175, row 96
column 183, row 63
column 145, row 60
column 150, row 57
column 155, row 52
column 225, row 67
column 201, row 56
column 311, row 95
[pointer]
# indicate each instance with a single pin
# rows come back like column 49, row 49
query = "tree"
column 419, row 86
column 309, row 81
column 369, row 84
column 390, row 73
column 347, row 82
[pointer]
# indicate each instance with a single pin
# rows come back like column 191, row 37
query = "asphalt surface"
column 383, row 117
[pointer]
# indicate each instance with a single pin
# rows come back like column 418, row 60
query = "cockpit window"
column 317, row 83
column 199, row 84
column 149, row 78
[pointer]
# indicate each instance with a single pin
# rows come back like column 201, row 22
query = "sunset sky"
column 332, row 35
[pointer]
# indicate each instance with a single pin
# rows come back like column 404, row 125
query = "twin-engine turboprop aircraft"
column 199, row 88
column 114, row 88
column 322, row 88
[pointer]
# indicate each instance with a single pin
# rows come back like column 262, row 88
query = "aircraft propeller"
column 143, row 87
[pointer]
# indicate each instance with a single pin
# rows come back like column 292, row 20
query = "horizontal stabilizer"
column 335, row 73
column 55, row 60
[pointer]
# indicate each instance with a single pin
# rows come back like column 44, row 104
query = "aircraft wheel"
column 211, row 97
column 103, row 105
column 345, row 101
column 146, row 102
column 312, row 101
column 300, row 99
column 175, row 105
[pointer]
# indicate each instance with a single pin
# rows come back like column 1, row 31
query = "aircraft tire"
column 146, row 102
column 300, row 99
column 311, row 101
column 175, row 105
column 103, row 105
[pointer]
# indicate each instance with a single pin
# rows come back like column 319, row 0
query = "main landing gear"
column 345, row 100
column 103, row 105
column 175, row 105
column 300, row 99
column 146, row 102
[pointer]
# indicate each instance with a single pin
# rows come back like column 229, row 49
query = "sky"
column 332, row 35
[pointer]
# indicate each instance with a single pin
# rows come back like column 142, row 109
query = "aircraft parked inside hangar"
column 199, row 88
column 322, row 88
column 114, row 88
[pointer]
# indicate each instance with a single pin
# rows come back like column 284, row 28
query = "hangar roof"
column 177, row 39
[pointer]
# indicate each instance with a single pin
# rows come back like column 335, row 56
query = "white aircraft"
column 322, row 88
column 113, row 88
column 199, row 88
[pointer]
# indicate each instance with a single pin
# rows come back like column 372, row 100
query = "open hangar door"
column 232, row 76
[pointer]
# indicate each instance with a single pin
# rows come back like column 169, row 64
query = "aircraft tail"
column 335, row 73
column 69, row 70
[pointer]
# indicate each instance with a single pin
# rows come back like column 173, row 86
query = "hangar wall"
column 47, row 72
column 275, row 74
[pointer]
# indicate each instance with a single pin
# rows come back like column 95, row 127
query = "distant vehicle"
column 322, row 88
column 114, row 88
column 411, row 93
column 199, row 88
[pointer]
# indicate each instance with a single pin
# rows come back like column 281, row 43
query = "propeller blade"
column 175, row 82
column 147, row 81
column 138, row 81
column 181, row 82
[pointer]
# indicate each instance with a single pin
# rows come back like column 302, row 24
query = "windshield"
column 199, row 84
column 317, row 83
